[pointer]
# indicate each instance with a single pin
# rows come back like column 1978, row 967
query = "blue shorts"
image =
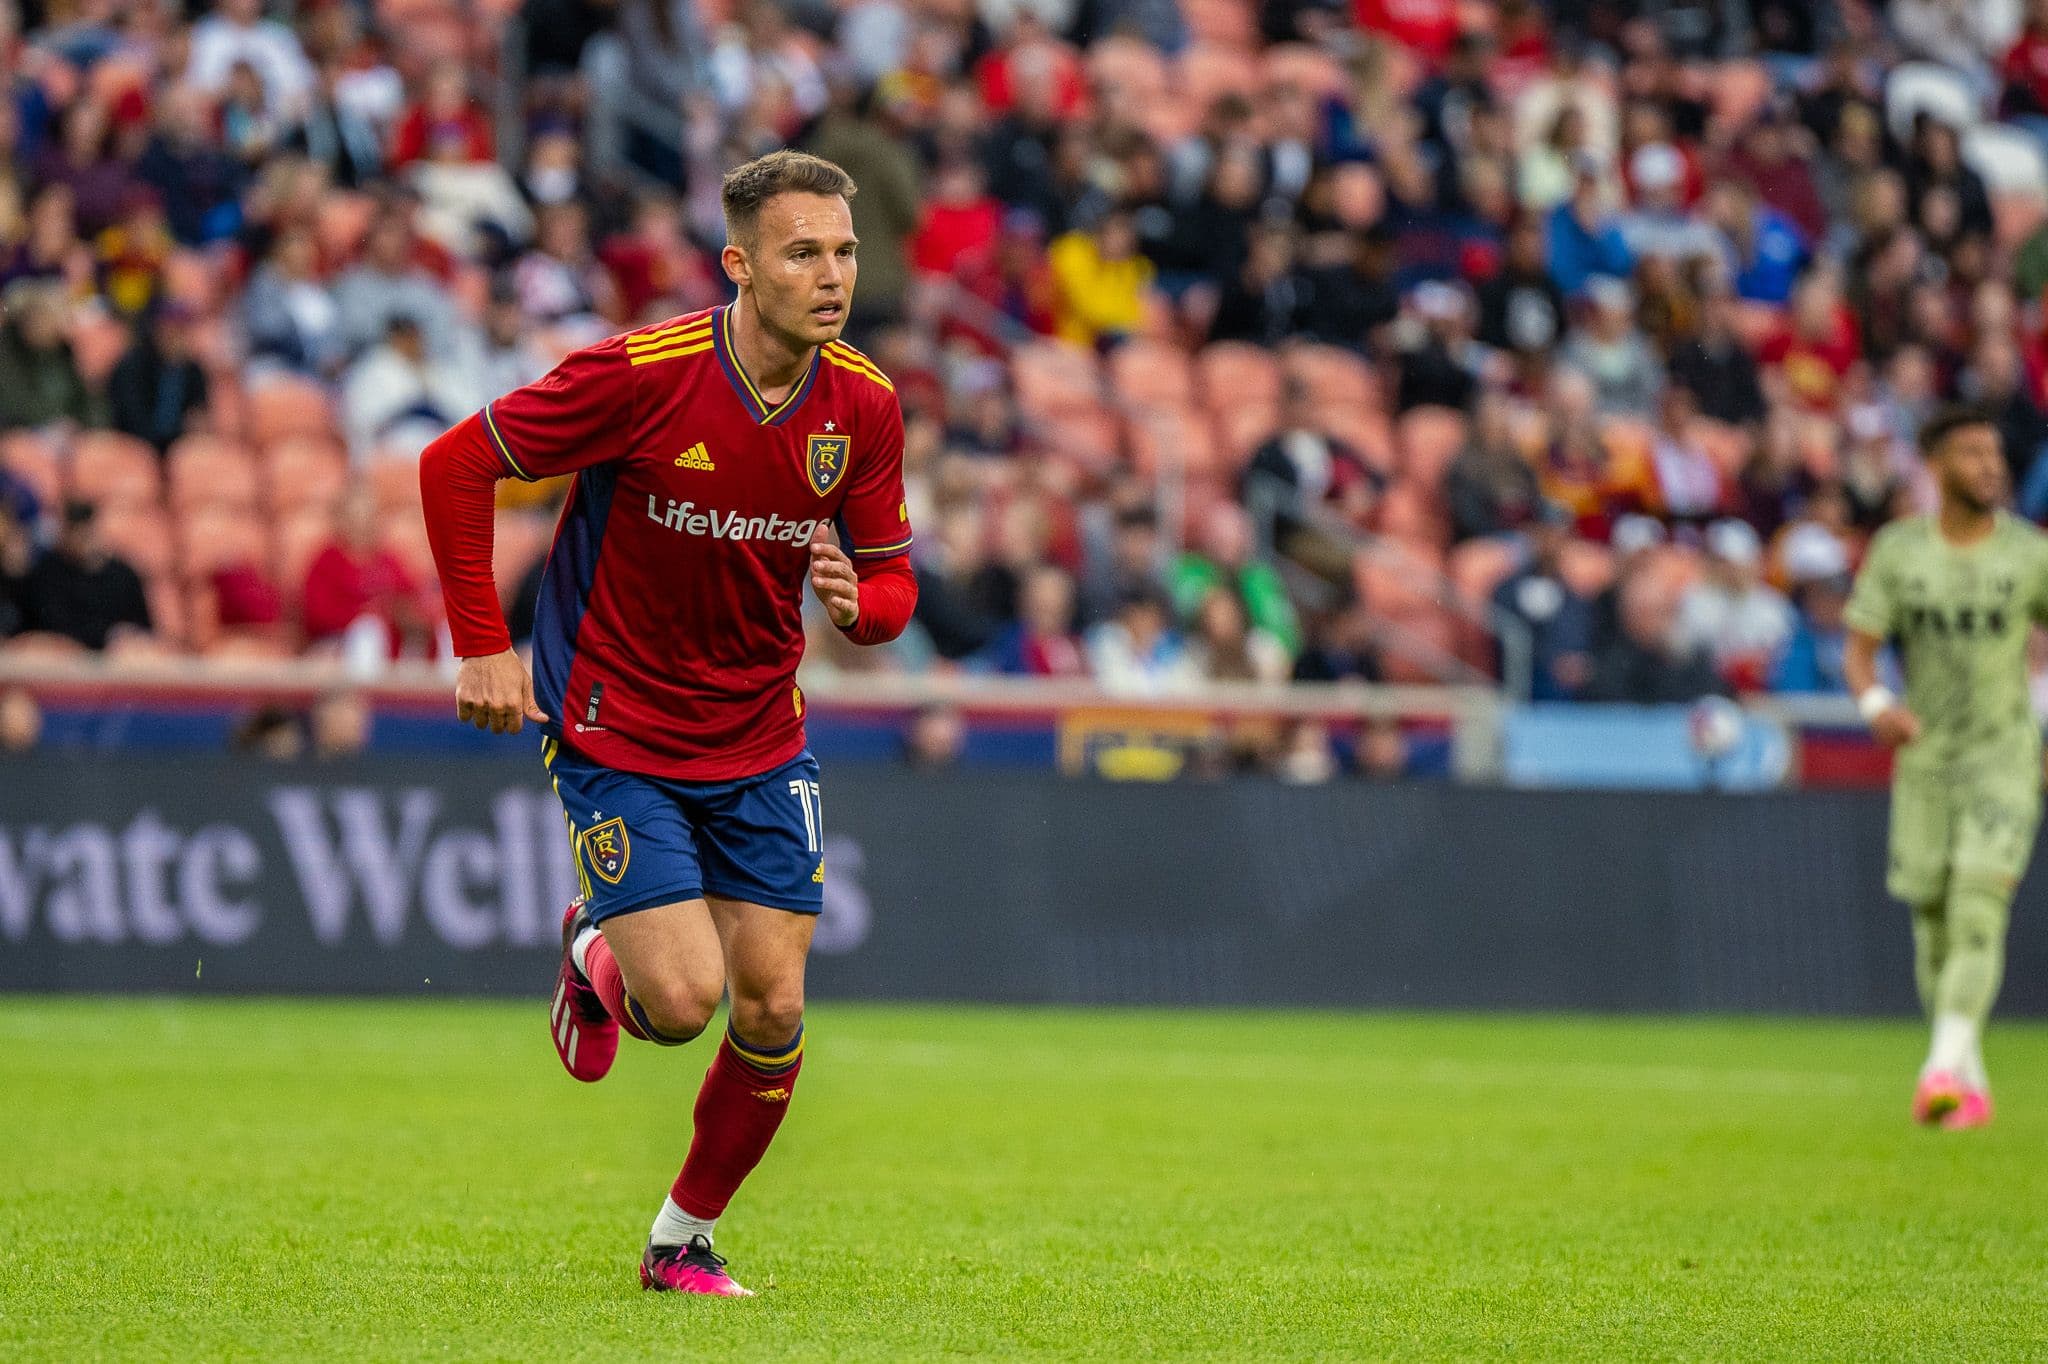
column 646, row 841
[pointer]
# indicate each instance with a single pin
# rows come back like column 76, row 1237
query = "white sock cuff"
column 674, row 1227
column 579, row 950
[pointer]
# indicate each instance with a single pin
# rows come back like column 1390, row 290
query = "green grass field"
column 278, row 1181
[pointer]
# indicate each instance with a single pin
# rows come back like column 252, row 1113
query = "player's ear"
column 738, row 268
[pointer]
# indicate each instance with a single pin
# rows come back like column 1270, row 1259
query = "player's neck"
column 1964, row 526
column 769, row 361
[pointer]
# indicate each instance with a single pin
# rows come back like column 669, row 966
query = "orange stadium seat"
column 301, row 535
column 138, row 533
column 304, row 471
column 1205, row 71
column 285, row 405
column 1242, row 429
column 1333, row 376
column 1131, row 66
column 1367, row 430
column 193, row 280
column 1222, row 23
column 406, row 537
column 1090, row 436
column 213, row 538
column 1172, row 438
column 1152, row 374
column 108, row 467
column 1232, row 374
column 170, row 612
column 211, row 471
column 343, row 223
column 1052, row 377
column 1312, row 68
column 1740, row 91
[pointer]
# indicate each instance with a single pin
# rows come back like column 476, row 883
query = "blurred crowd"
column 1576, row 346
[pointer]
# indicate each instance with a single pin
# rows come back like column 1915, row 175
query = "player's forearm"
column 458, row 479
column 1859, row 662
column 888, row 596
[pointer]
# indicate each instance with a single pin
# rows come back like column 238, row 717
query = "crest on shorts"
column 608, row 850
column 825, row 461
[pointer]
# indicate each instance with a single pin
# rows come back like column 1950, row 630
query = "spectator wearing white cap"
column 1740, row 620
column 1660, row 224
column 1609, row 349
column 1817, row 568
column 1633, row 538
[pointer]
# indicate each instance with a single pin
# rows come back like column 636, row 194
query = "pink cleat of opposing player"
column 1939, row 1094
column 583, row 1032
column 694, row 1268
column 1972, row 1110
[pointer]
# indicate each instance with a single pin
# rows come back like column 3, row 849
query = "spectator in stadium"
column 1382, row 753
column 335, row 134
column 1740, row 621
column 1811, row 661
column 249, row 129
column 1766, row 251
column 1661, row 224
column 288, row 315
column 40, row 384
column 1227, row 647
column 84, row 159
column 1647, row 662
column 1807, row 361
column 1122, row 559
column 1521, row 309
column 1935, row 169
column 463, row 201
column 1689, row 482
column 1440, row 360
column 1099, row 281
column 1635, row 539
column 237, row 34
column 385, row 284
column 445, row 117
column 1042, row 642
column 935, row 739
column 1137, row 652
column 1583, row 234
column 1996, row 380
column 199, row 182
column 863, row 132
column 1266, row 300
column 80, row 590
column 1611, row 351
column 1491, row 487
column 1558, row 619
column 47, row 247
column 394, row 399
column 1716, row 368
column 271, row 733
column 1225, row 557
column 355, row 586
column 157, row 387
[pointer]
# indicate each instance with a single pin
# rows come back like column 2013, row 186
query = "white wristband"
column 1875, row 701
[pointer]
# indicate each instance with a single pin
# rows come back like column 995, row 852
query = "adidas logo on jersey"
column 696, row 457
column 684, row 517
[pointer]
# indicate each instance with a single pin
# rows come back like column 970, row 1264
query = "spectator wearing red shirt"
column 961, row 220
column 1808, row 360
column 355, row 578
column 445, row 114
column 2026, row 65
column 1029, row 52
column 1427, row 27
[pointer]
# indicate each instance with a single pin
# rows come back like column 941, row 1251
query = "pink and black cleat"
column 1939, row 1094
column 1972, row 1110
column 584, row 1034
column 694, row 1268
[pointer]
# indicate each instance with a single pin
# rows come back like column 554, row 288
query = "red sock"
column 745, row 1094
column 603, row 970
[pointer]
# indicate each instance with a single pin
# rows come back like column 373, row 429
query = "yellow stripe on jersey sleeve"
column 872, row 375
column 670, row 335
column 855, row 359
column 505, row 450
column 675, row 353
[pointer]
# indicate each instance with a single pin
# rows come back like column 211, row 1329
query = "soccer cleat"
column 584, row 1034
column 694, row 1268
column 1973, row 1110
column 1939, row 1094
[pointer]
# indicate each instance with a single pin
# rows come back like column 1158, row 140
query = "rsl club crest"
column 825, row 461
column 608, row 850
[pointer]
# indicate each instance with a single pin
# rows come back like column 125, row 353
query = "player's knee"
column 679, row 1010
column 769, row 1018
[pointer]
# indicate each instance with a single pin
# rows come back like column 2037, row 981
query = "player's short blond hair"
column 746, row 188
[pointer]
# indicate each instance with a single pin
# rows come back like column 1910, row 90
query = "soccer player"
column 713, row 454
column 1960, row 591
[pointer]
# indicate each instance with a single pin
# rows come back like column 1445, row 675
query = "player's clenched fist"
column 495, row 692
column 1895, row 727
column 833, row 579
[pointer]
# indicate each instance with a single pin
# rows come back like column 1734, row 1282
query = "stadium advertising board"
column 417, row 877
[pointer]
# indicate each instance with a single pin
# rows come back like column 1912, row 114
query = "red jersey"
column 669, row 626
